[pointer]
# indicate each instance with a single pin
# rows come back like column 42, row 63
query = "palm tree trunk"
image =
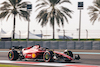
column 53, row 28
column 14, row 28
column 53, row 32
column 53, row 23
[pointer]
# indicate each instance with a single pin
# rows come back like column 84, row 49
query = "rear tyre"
column 13, row 55
column 48, row 56
column 69, row 53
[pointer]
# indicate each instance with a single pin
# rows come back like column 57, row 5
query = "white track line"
column 48, row 64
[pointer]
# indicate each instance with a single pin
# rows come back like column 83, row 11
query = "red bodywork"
column 29, row 51
column 62, row 54
column 37, row 52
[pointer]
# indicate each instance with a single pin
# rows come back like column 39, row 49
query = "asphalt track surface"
column 88, row 59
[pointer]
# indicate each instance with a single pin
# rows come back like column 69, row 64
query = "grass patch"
column 40, row 40
column 55, row 40
column 4, row 65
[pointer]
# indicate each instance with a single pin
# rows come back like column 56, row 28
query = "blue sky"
column 73, row 23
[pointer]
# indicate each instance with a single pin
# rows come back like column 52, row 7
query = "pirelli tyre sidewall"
column 48, row 56
column 13, row 55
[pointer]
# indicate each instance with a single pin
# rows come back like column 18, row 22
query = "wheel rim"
column 46, row 57
column 10, row 55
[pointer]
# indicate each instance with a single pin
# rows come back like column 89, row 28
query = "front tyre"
column 13, row 55
column 48, row 56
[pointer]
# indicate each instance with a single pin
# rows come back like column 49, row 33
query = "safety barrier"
column 79, row 45
column 82, row 45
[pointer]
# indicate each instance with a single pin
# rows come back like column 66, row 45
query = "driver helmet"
column 66, row 50
column 38, row 45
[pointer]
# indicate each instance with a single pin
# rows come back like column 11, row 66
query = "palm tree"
column 94, row 11
column 51, row 10
column 14, row 8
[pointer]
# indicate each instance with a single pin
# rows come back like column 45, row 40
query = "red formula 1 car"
column 39, row 53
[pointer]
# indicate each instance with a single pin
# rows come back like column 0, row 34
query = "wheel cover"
column 10, row 55
column 47, row 56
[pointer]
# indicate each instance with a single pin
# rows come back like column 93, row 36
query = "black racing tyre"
column 13, row 55
column 69, row 53
column 48, row 56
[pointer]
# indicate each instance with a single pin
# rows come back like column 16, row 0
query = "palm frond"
column 8, row 16
column 92, row 8
column 20, row 17
column 18, row 1
column 25, row 15
column 64, row 1
column 68, row 14
column 40, row 7
column 94, row 11
column 42, row 17
column 62, row 21
column 98, row 18
column 54, row 2
column 54, row 14
column 42, row 4
column 13, row 2
column 97, row 3
column 61, row 17
column 5, row 6
column 94, row 17
column 51, row 21
column 41, row 13
column 40, row 0
column 3, row 14
column 57, row 19
column 66, row 9
column 23, row 4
